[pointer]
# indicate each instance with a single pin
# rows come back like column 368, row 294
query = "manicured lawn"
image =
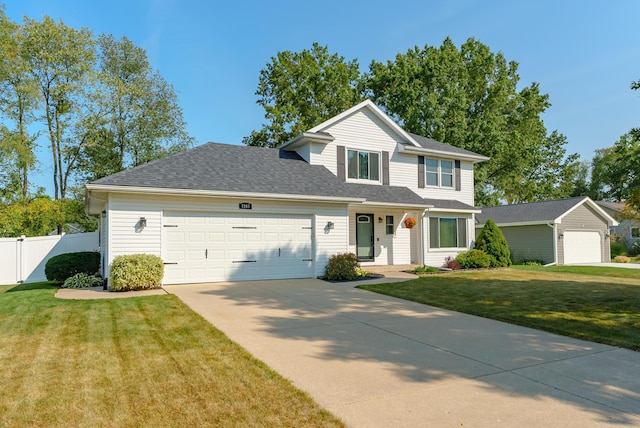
column 145, row 361
column 601, row 306
column 612, row 272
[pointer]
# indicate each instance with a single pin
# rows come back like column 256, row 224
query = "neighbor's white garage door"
column 582, row 247
column 204, row 247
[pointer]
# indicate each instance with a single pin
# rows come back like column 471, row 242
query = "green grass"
column 143, row 361
column 601, row 305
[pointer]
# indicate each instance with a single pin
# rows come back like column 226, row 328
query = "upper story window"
column 363, row 165
column 438, row 172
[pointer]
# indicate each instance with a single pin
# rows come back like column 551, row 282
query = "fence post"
column 21, row 259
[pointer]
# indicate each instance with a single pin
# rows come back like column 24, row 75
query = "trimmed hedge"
column 136, row 272
column 474, row 259
column 63, row 266
column 342, row 267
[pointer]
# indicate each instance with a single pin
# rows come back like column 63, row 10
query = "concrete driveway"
column 377, row 361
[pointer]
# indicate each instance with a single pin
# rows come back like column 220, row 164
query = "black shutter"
column 421, row 172
column 457, row 176
column 385, row 168
column 341, row 163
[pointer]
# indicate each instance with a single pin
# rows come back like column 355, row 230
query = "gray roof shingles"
column 428, row 143
column 248, row 169
column 531, row 212
column 449, row 204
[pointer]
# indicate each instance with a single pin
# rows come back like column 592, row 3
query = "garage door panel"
column 237, row 248
column 582, row 247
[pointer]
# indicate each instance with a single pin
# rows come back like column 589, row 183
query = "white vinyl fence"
column 23, row 259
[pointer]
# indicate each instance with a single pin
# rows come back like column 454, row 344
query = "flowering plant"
column 409, row 222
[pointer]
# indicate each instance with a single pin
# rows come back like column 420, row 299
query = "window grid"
column 438, row 173
column 362, row 165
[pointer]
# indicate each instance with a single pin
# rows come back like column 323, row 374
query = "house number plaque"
column 244, row 205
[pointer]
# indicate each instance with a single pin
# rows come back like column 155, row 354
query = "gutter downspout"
column 555, row 244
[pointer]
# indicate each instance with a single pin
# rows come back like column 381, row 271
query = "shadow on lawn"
column 419, row 344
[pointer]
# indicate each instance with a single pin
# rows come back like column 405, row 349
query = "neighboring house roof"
column 537, row 212
column 252, row 170
column 616, row 206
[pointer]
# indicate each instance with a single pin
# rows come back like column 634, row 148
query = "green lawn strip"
column 144, row 361
column 599, row 309
column 586, row 270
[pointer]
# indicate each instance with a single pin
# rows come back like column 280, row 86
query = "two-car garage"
column 208, row 246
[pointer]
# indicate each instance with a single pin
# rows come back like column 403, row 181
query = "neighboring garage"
column 208, row 247
column 565, row 231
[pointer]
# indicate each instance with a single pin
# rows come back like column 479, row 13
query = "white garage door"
column 582, row 247
column 207, row 247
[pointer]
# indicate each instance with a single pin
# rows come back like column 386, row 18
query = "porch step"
column 388, row 268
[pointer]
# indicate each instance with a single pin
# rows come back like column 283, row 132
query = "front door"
column 364, row 236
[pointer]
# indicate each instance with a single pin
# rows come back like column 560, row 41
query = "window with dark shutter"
column 341, row 163
column 421, row 172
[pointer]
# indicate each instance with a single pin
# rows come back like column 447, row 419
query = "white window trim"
column 631, row 232
column 392, row 224
column 440, row 174
column 362, row 180
column 444, row 249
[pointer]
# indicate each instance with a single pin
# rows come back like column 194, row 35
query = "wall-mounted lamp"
column 379, row 219
column 104, row 214
column 560, row 235
column 142, row 222
column 330, row 225
column 607, row 236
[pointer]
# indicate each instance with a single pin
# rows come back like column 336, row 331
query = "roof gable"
column 538, row 212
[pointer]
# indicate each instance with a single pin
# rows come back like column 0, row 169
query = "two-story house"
column 223, row 212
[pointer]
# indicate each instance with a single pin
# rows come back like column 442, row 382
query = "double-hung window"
column 438, row 173
column 362, row 165
column 635, row 232
column 445, row 232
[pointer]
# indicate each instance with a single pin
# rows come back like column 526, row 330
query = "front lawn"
column 596, row 305
column 144, row 361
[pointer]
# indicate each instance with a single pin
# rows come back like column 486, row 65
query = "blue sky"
column 584, row 54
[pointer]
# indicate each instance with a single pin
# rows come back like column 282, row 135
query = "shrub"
column 473, row 259
column 342, row 267
column 136, row 272
column 491, row 241
column 426, row 269
column 635, row 249
column 82, row 280
column 618, row 248
column 63, row 266
column 621, row 259
column 525, row 262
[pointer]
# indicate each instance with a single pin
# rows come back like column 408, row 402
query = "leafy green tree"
column 299, row 90
column 37, row 217
column 135, row 115
column 468, row 98
column 18, row 102
column 492, row 241
column 60, row 60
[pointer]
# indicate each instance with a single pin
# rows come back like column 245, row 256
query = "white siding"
column 365, row 131
column 125, row 211
column 388, row 249
column 362, row 130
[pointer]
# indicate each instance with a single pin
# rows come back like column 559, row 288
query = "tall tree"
column 468, row 98
column 18, row 102
column 60, row 59
column 299, row 90
column 135, row 114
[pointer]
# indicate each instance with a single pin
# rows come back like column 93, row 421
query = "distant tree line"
column 95, row 103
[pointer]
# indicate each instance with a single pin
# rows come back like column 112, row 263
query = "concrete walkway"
column 377, row 361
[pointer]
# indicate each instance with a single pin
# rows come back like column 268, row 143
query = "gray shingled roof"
column 531, row 212
column 428, row 143
column 449, row 205
column 247, row 169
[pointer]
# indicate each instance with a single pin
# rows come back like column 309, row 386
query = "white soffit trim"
column 422, row 151
column 396, row 205
column 454, row 210
column 368, row 104
column 587, row 200
column 308, row 137
column 214, row 193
